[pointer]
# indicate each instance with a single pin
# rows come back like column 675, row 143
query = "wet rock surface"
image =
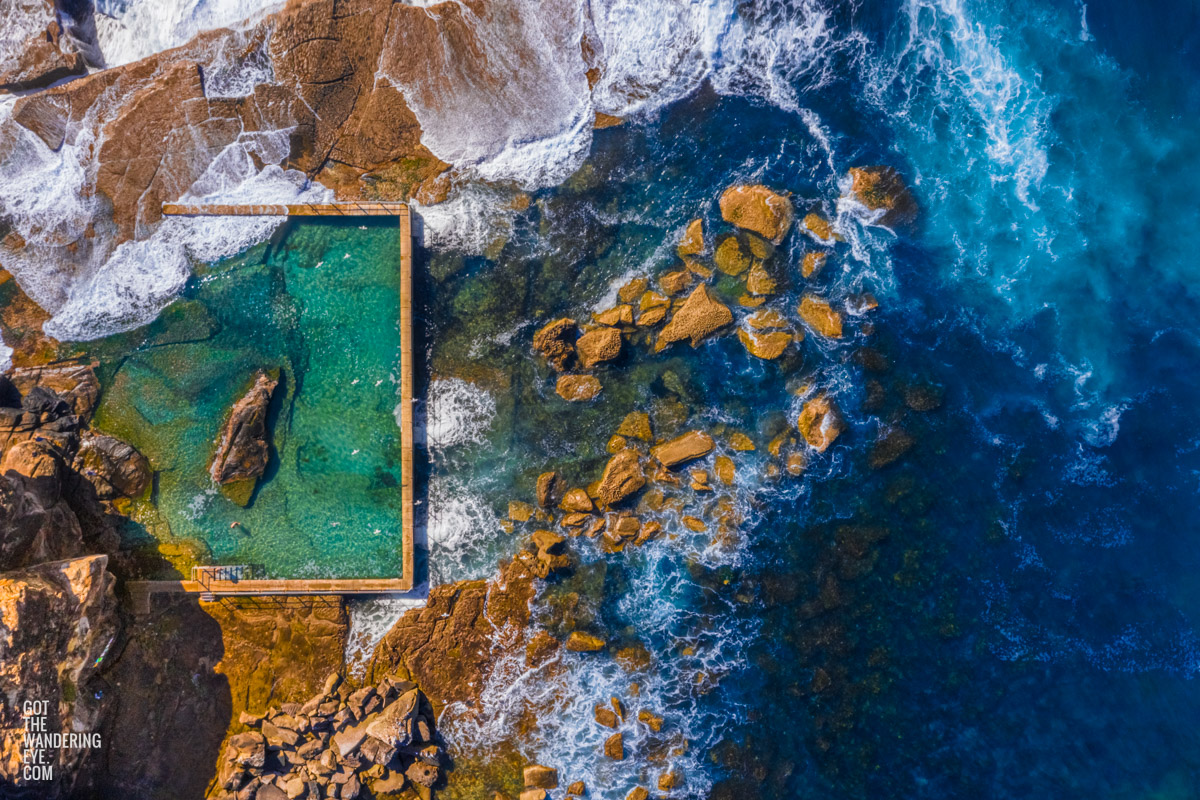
column 244, row 447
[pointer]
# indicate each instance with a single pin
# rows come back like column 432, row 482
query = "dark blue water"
column 1010, row 609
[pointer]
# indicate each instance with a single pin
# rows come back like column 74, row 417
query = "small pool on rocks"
column 320, row 303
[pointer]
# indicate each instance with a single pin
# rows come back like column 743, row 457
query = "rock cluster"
column 342, row 743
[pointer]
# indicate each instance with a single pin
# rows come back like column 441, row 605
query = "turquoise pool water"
column 321, row 304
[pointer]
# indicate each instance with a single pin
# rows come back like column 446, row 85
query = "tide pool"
column 320, row 303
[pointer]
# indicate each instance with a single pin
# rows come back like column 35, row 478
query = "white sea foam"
column 461, row 527
column 370, row 620
column 129, row 30
column 458, row 412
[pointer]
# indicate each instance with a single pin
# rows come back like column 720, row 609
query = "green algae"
column 321, row 305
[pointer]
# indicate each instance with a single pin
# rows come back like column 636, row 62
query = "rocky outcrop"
column 111, row 467
column 38, row 49
column 36, row 522
column 244, row 447
column 882, row 190
column 699, row 317
column 682, row 449
column 57, row 621
column 381, row 737
column 598, row 345
column 756, row 208
column 555, row 341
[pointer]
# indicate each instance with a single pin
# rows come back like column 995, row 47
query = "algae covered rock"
column 756, row 208
column 556, row 342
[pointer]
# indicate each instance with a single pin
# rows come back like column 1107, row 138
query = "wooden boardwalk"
column 214, row 585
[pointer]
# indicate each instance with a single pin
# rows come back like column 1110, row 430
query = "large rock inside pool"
column 245, row 448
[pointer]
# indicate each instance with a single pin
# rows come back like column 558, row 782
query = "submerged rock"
column 556, row 342
column 766, row 345
column 756, row 208
column 820, row 422
column 881, row 189
column 580, row 642
column 730, row 258
column 820, row 228
column 692, row 242
column 577, row 388
column 812, row 263
column 244, row 448
column 700, row 316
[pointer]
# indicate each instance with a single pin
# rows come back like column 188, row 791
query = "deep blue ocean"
column 1010, row 609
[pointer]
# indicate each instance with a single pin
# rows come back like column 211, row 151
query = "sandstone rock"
column 650, row 720
column 692, row 242
column 631, row 291
column 396, row 724
column 757, row 208
column 694, row 523
column 622, row 477
column 812, row 263
column 891, row 446
column 682, row 449
column 636, row 425
column 422, row 774
column 598, row 345
column 519, row 511
column 38, row 50
column 605, row 716
column 112, row 467
column 638, row 793
column 820, row 228
column 652, row 316
column 669, row 780
column 699, row 317
column 740, row 441
column 676, row 282
column 795, row 463
column 549, row 489
column 730, row 258
column 614, row 747
column 243, row 450
column 36, row 522
column 577, row 500
column 548, row 542
column 541, row 648
column 621, row 314
column 540, row 777
column 767, row 346
column 820, row 422
column 533, row 794
column 577, row 788
column 881, row 189
column 760, row 282
column 580, row 642
column 820, row 317
column 578, row 388
column 725, row 469
column 57, row 620
column 556, row 342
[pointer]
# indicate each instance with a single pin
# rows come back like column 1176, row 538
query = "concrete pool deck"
column 224, row 580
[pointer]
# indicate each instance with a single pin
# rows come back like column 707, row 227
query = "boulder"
column 651, row 720
column 422, row 773
column 820, row 422
column 36, row 522
column 598, row 345
column 578, row 388
column 548, row 542
column 622, row 477
column 556, row 342
column 396, row 724
column 638, row 793
column 692, row 242
column 577, row 500
column 675, row 282
column 577, row 788
column 730, row 257
column 682, row 449
column 756, row 208
column 549, row 489
column 244, row 447
column 112, row 467
column 636, row 425
column 766, row 345
column 700, row 316
column 614, row 747
column 812, row 263
column 632, row 290
column 605, row 716
column 621, row 314
column 760, row 282
column 882, row 190
column 820, row 317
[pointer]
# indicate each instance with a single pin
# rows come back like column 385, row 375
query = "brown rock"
column 577, row 500
column 820, row 422
column 112, row 467
column 638, row 793
column 605, row 716
column 923, row 397
column 730, row 258
column 673, row 283
column 891, row 446
column 622, row 477
column 577, row 788
column 820, row 228
column 881, row 189
column 38, row 52
column 812, row 263
column 692, row 242
column 533, row 794
column 669, row 780
column 244, row 449
column 577, row 388
column 519, row 512
column 652, row 316
column 636, row 425
column 614, row 747
column 617, row 315
column 580, row 642
column 820, row 317
column 631, row 291
column 694, row 523
column 548, row 542
column 651, row 720
column 725, row 469
column 540, row 777
column 598, row 345
column 541, row 648
column 795, row 463
column 757, row 208
column 682, row 449
column 556, row 342
column 759, row 281
column 764, row 345
column 740, row 441
column 699, row 317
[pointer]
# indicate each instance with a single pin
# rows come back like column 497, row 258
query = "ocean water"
column 319, row 303
column 1009, row 609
